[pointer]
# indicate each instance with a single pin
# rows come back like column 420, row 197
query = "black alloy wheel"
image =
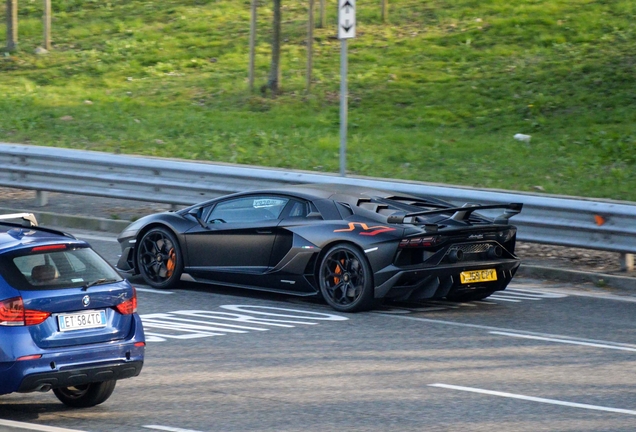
column 87, row 395
column 159, row 258
column 346, row 281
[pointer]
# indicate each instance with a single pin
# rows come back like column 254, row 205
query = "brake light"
column 13, row 313
column 48, row 248
column 420, row 242
column 128, row 307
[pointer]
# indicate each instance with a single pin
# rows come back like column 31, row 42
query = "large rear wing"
column 463, row 213
column 28, row 219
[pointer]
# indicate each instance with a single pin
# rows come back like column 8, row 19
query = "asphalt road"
column 537, row 357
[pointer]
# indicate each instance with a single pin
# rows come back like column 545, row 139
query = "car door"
column 236, row 239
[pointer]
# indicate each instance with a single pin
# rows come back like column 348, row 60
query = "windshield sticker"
column 268, row 202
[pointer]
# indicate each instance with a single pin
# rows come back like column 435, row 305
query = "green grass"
column 436, row 94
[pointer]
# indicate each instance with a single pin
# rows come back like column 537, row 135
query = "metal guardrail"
column 566, row 221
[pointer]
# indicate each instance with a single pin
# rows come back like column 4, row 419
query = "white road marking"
column 565, row 341
column 151, row 290
column 35, row 427
column 534, row 293
column 535, row 399
column 500, row 298
column 577, row 293
column 499, row 329
column 168, row 428
column 191, row 324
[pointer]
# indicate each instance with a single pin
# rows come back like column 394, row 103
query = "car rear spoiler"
column 28, row 219
column 463, row 213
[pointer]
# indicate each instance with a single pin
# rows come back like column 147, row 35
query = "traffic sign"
column 346, row 19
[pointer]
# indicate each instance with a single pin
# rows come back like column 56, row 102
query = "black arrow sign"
column 347, row 4
column 347, row 27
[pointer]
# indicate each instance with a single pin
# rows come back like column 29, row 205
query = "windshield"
column 66, row 266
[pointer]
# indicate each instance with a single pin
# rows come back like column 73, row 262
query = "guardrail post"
column 41, row 198
column 627, row 262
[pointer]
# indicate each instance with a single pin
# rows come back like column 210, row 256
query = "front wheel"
column 346, row 280
column 87, row 395
column 159, row 258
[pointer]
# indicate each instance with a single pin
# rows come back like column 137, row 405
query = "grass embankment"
column 436, row 94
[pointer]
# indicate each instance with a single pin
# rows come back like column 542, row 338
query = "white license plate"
column 82, row 320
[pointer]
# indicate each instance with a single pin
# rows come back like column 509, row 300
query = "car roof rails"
column 30, row 221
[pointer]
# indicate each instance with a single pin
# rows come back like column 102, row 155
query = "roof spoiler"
column 28, row 219
column 463, row 213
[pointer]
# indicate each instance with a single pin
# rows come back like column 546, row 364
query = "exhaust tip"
column 495, row 252
column 455, row 255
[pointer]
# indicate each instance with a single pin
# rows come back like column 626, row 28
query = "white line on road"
column 566, row 341
column 496, row 297
column 490, row 328
column 150, row 290
column 168, row 428
column 578, row 293
column 35, row 427
column 535, row 399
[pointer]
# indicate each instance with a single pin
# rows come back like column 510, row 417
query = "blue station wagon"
column 68, row 320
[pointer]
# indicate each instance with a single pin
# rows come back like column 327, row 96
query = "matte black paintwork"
column 282, row 255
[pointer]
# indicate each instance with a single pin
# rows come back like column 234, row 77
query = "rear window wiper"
column 98, row 282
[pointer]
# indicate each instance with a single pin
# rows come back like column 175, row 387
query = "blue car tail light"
column 13, row 313
column 129, row 306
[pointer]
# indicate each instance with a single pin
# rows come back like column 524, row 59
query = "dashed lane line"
column 535, row 399
column 34, row 427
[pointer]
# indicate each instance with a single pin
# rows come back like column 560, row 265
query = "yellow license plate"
column 475, row 276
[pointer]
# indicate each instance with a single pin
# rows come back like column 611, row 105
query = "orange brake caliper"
column 172, row 259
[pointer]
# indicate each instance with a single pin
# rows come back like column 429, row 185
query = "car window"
column 299, row 209
column 69, row 267
column 248, row 209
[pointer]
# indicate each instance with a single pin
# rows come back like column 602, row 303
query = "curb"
column 529, row 271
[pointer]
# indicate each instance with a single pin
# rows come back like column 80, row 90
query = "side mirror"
column 196, row 213
column 314, row 215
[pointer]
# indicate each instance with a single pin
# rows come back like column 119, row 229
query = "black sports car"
column 351, row 245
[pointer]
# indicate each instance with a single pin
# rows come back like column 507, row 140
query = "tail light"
column 129, row 306
column 428, row 241
column 13, row 313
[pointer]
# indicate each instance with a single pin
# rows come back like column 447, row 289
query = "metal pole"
column 12, row 25
column 310, row 44
column 47, row 24
column 343, row 107
column 323, row 15
column 252, row 44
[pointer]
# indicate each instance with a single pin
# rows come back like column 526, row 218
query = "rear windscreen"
column 55, row 268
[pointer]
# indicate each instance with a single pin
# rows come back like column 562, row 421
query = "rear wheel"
column 159, row 258
column 86, row 395
column 346, row 281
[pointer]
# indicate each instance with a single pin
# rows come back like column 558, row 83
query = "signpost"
column 346, row 30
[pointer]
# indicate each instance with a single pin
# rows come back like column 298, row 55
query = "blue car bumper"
column 43, row 369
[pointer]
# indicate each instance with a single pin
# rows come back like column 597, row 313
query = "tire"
column 159, row 258
column 86, row 395
column 469, row 296
column 346, row 280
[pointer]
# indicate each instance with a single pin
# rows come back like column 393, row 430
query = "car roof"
column 332, row 191
column 15, row 236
